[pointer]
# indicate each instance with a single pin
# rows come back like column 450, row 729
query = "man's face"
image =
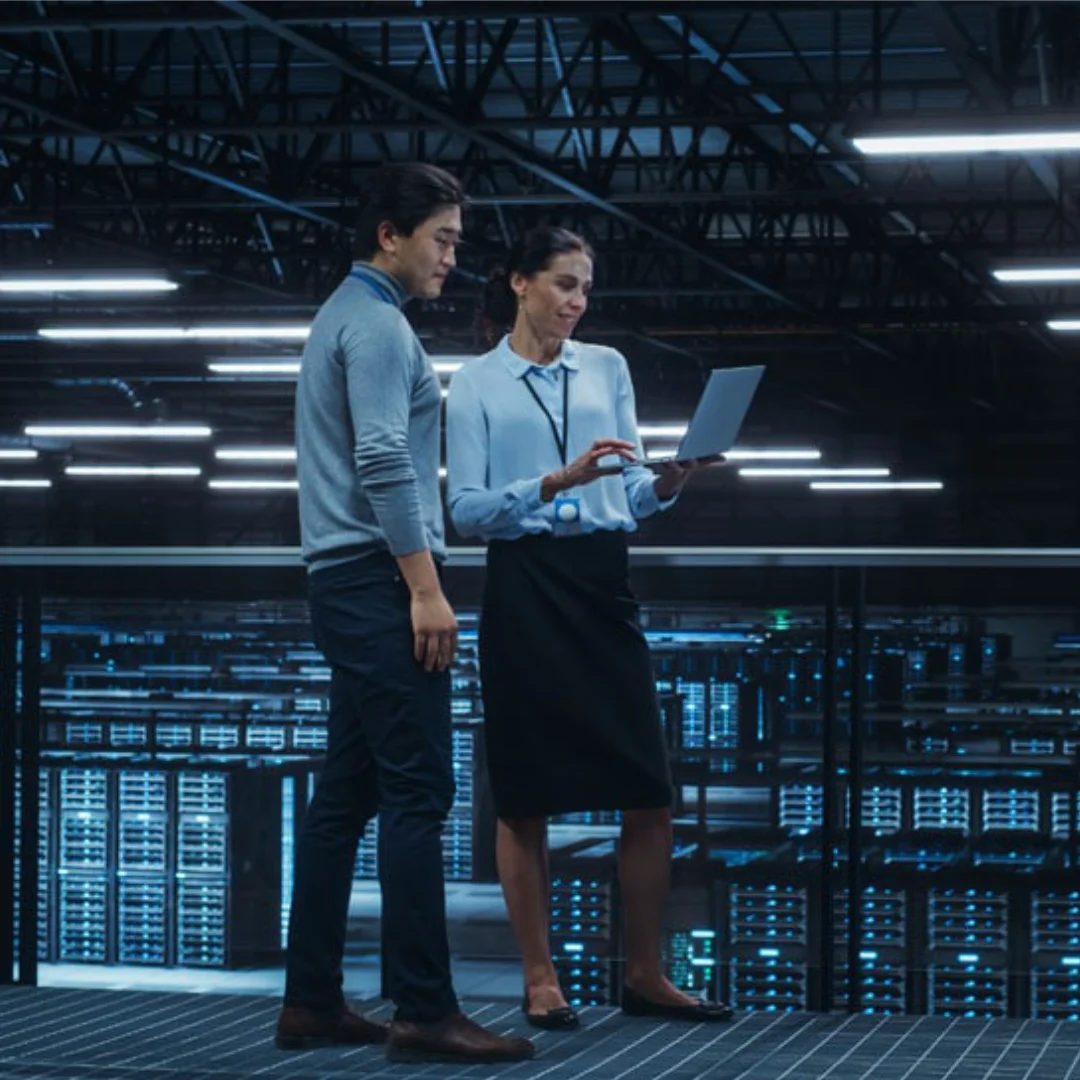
column 421, row 262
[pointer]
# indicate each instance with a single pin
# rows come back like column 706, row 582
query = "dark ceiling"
column 704, row 148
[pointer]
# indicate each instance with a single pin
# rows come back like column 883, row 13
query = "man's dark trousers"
column 388, row 752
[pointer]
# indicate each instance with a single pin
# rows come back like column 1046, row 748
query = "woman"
column 536, row 430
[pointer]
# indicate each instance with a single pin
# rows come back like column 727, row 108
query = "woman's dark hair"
column 406, row 194
column 530, row 255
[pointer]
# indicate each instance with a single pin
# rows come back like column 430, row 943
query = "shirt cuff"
column 406, row 538
column 400, row 516
column 653, row 502
column 529, row 492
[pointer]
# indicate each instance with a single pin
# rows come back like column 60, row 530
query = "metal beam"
column 555, row 50
column 9, row 662
column 681, row 28
column 978, row 76
column 178, row 264
column 60, row 18
column 371, row 15
column 437, row 62
column 170, row 158
column 357, row 67
column 612, row 119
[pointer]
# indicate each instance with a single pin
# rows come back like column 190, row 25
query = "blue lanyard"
column 376, row 288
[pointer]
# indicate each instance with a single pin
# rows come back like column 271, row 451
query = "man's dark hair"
column 406, row 194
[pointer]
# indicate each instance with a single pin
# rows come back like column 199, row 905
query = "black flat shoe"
column 561, row 1019
column 703, row 1012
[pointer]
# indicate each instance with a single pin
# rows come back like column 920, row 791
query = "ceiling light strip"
column 27, row 483
column 1037, row 275
column 254, row 485
column 143, row 334
column 133, row 470
column 118, row 431
column 800, row 473
column 254, row 367
column 255, row 453
column 87, row 285
column 961, row 143
column 876, row 485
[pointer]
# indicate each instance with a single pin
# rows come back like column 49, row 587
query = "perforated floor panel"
column 108, row 1035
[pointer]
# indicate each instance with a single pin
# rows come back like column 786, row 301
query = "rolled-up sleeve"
column 474, row 507
column 640, row 483
column 378, row 361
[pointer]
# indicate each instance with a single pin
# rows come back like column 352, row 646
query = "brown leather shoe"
column 305, row 1029
column 453, row 1039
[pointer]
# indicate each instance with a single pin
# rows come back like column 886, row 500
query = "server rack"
column 159, row 867
column 691, row 959
column 917, row 825
column 585, row 937
column 882, row 960
column 1055, row 955
column 767, row 938
column 968, row 812
column 45, row 858
column 967, row 970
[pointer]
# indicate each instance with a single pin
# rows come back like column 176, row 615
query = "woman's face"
column 552, row 301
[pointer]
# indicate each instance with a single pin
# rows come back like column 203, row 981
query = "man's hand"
column 435, row 630
column 433, row 624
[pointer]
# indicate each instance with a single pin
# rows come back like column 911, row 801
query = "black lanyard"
column 562, row 443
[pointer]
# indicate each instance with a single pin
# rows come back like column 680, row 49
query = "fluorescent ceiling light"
column 18, row 455
column 445, row 393
column 773, row 455
column 1037, row 275
column 174, row 333
column 119, row 431
column 255, row 367
column 442, row 470
column 654, row 453
column 658, row 453
column 255, row 453
column 133, row 470
column 1065, row 326
column 662, row 431
column 767, row 473
column 25, row 483
column 89, row 284
column 446, row 367
column 254, row 485
column 877, row 485
column 1016, row 142
column 677, row 431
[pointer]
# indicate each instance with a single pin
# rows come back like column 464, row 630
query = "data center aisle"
column 103, row 1035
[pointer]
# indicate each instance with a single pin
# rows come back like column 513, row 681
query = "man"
column 368, row 408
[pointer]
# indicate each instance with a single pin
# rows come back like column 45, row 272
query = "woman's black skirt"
column 570, row 713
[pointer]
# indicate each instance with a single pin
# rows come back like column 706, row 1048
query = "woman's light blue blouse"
column 499, row 443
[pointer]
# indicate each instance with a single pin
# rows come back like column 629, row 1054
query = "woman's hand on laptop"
column 673, row 475
column 586, row 468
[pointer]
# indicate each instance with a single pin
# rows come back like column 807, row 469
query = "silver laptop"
column 718, row 417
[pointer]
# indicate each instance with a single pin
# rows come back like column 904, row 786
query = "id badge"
column 567, row 513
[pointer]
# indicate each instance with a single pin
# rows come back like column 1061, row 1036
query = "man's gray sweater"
column 368, row 414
